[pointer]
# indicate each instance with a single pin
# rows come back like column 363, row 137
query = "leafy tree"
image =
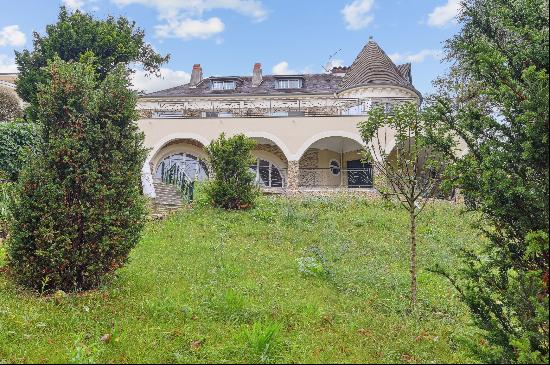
column 79, row 207
column 411, row 171
column 16, row 138
column 9, row 106
column 112, row 41
column 495, row 98
column 233, row 184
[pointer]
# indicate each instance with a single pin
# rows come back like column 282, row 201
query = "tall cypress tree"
column 80, row 209
column 495, row 98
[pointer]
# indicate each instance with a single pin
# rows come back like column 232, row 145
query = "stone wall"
column 188, row 141
column 145, row 113
column 271, row 149
column 346, row 193
column 293, row 176
column 309, row 160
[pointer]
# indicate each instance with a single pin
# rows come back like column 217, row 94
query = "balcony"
column 265, row 108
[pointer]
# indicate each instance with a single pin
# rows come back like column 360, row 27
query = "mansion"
column 305, row 126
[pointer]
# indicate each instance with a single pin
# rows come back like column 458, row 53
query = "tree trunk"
column 413, row 258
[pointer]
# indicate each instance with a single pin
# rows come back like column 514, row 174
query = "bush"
column 10, row 109
column 79, row 210
column 16, row 139
column 233, row 184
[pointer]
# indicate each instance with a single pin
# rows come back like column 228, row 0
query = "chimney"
column 257, row 75
column 196, row 75
column 339, row 71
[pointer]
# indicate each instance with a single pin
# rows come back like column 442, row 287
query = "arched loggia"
column 270, row 161
column 334, row 160
column 184, row 151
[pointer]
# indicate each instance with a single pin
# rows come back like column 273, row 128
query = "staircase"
column 168, row 198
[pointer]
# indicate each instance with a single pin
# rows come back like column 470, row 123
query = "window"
column 216, row 115
column 289, row 84
column 223, row 85
column 289, row 113
column 267, row 174
column 387, row 107
column 355, row 110
column 334, row 167
column 168, row 114
column 193, row 167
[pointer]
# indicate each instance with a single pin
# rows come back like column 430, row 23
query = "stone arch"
column 276, row 140
column 327, row 134
column 147, row 170
column 172, row 138
column 176, row 147
column 269, row 149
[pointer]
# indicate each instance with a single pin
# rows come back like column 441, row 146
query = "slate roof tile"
column 371, row 67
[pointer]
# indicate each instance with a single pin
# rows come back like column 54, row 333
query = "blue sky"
column 228, row 36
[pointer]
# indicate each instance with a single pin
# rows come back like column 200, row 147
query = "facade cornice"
column 412, row 91
column 235, row 97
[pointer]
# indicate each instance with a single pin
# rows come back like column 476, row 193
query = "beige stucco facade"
column 281, row 141
column 302, row 148
column 292, row 135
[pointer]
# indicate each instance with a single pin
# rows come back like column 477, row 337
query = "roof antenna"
column 330, row 59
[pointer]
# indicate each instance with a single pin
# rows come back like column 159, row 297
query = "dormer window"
column 223, row 85
column 289, row 83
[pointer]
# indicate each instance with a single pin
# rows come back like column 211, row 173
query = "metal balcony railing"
column 336, row 178
column 177, row 177
column 269, row 108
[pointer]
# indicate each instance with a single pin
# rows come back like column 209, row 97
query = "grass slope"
column 318, row 280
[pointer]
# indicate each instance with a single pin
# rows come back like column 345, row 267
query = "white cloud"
column 442, row 15
column 282, row 69
column 74, row 4
column 79, row 4
column 143, row 81
column 11, row 36
column 171, row 8
column 190, row 28
column 335, row 62
column 184, row 18
column 416, row 57
column 357, row 14
column 7, row 65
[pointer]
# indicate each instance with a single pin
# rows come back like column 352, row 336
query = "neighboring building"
column 305, row 125
column 7, row 85
column 7, row 82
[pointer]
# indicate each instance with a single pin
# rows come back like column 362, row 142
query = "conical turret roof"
column 373, row 67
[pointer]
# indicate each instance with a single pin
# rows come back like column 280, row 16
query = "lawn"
column 316, row 280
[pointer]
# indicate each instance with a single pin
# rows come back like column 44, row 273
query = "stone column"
column 293, row 175
column 147, row 181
